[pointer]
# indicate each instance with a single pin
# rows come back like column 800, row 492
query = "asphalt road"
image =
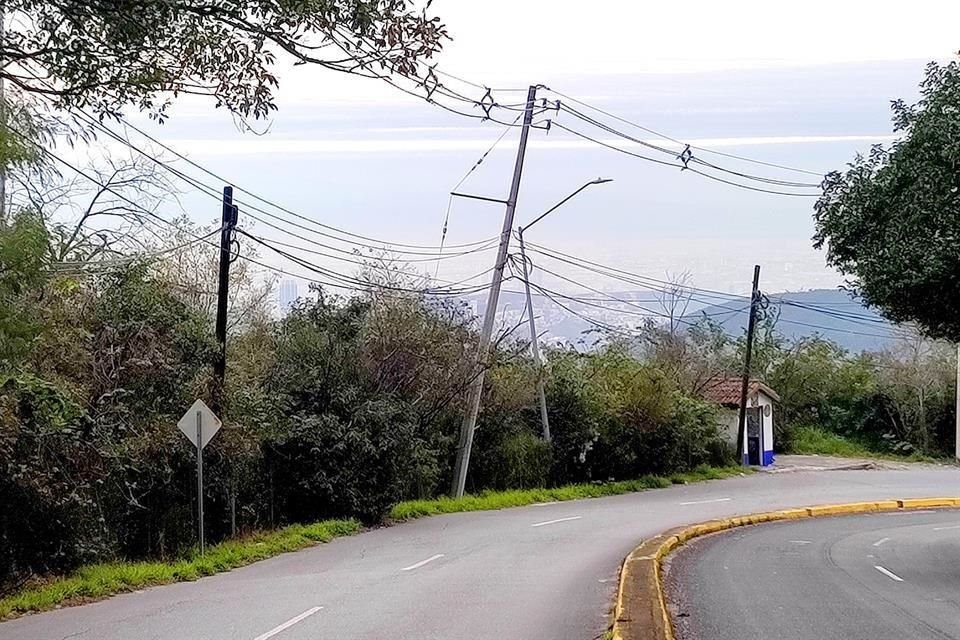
column 873, row 577
column 541, row 572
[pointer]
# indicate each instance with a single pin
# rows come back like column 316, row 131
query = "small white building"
column 758, row 442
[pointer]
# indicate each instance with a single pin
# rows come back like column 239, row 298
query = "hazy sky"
column 801, row 84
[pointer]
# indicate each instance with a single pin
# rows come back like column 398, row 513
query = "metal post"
column 751, row 325
column 228, row 218
column 534, row 341
column 957, row 436
column 200, row 478
column 465, row 442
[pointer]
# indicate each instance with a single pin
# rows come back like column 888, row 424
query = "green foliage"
column 94, row 55
column 23, row 261
column 890, row 220
column 812, row 440
column 488, row 500
column 101, row 580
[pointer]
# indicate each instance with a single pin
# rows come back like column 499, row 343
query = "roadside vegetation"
column 346, row 410
column 98, row 581
column 348, row 407
column 814, row 441
column 101, row 580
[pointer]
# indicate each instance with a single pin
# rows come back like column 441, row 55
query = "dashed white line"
column 684, row 504
column 544, row 504
column 801, row 542
column 289, row 623
column 543, row 524
column 422, row 562
column 881, row 541
column 956, row 526
column 888, row 573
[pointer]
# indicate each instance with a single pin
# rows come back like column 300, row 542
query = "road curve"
column 870, row 577
column 540, row 572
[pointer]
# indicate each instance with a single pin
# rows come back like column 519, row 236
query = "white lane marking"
column 683, row 504
column 888, row 573
column 956, row 526
column 544, row 504
column 881, row 541
column 801, row 542
column 289, row 623
column 543, row 524
column 422, row 562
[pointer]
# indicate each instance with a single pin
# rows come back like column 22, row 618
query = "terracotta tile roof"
column 726, row 391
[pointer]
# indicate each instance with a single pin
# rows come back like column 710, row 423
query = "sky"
column 805, row 85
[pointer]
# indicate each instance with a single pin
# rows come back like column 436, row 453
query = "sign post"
column 199, row 425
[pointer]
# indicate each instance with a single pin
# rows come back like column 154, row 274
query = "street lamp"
column 534, row 342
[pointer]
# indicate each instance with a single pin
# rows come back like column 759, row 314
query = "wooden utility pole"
column 465, row 442
column 751, row 327
column 228, row 221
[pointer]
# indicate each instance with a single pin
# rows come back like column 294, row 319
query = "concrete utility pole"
column 957, row 436
column 751, row 326
column 228, row 220
column 534, row 340
column 476, row 388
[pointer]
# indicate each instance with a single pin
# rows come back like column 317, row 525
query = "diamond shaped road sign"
column 209, row 423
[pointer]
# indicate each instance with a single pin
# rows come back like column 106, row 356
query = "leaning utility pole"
column 228, row 220
column 957, row 435
column 751, row 326
column 534, row 340
column 476, row 388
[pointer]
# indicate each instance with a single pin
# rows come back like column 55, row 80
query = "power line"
column 363, row 286
column 215, row 192
column 446, row 290
column 681, row 143
column 680, row 165
column 446, row 218
column 632, row 278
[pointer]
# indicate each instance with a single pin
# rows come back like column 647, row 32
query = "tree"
column 890, row 221
column 106, row 55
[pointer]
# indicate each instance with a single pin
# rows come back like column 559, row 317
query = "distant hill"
column 837, row 316
column 830, row 313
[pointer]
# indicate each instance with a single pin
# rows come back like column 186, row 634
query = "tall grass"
column 815, row 441
column 490, row 500
column 101, row 580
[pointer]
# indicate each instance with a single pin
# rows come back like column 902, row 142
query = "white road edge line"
column 956, row 526
column 421, row 563
column 684, row 504
column 543, row 524
column 888, row 573
column 289, row 623
column 544, row 504
column 881, row 541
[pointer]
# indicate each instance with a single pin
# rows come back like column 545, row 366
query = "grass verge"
column 491, row 500
column 814, row 441
column 102, row 580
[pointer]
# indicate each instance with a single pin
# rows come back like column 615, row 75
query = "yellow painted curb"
column 641, row 608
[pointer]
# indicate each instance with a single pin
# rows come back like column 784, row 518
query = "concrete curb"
column 641, row 609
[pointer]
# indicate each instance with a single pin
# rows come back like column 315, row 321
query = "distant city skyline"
column 288, row 291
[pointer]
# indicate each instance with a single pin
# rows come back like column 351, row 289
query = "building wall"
column 728, row 421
